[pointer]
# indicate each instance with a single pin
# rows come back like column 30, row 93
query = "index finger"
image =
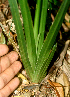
column 3, row 49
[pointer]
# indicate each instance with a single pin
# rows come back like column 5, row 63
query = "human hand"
column 9, row 67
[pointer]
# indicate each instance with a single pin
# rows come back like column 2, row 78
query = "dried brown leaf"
column 58, row 88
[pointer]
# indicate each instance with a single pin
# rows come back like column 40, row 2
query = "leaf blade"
column 37, row 20
column 42, row 25
column 20, row 36
column 28, row 27
column 49, row 42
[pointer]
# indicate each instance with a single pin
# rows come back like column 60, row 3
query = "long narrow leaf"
column 52, row 34
column 37, row 21
column 28, row 27
column 42, row 24
column 46, row 63
column 42, row 70
column 54, row 30
column 20, row 36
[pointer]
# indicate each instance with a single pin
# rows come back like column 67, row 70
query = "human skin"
column 9, row 67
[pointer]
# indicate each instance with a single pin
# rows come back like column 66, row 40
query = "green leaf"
column 42, row 25
column 20, row 36
column 46, row 63
column 36, row 65
column 37, row 20
column 28, row 28
column 50, row 39
column 42, row 70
